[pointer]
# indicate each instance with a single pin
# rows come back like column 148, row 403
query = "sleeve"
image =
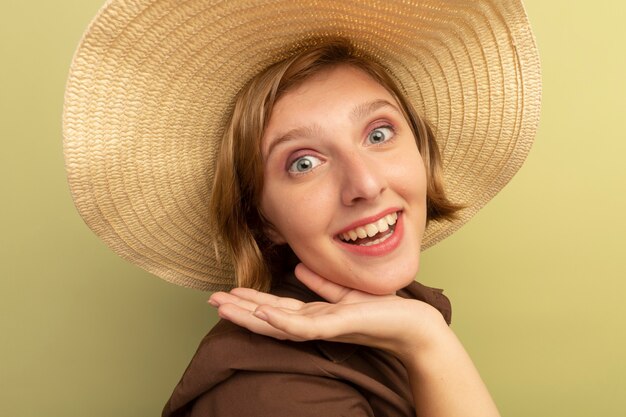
column 268, row 394
column 432, row 296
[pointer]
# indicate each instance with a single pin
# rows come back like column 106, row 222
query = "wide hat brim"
column 152, row 84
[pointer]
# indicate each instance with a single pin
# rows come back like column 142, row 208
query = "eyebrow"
column 359, row 112
column 298, row 132
column 362, row 110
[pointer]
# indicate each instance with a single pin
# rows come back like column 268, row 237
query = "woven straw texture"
column 152, row 84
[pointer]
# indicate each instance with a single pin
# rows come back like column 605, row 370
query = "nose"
column 362, row 179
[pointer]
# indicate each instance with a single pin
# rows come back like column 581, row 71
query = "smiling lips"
column 371, row 233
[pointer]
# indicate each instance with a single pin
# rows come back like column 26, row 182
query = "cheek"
column 297, row 215
column 410, row 176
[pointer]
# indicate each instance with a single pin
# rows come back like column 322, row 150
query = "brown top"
column 237, row 373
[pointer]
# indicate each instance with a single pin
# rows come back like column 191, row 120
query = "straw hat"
column 153, row 81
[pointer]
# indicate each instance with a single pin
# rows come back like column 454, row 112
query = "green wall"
column 537, row 278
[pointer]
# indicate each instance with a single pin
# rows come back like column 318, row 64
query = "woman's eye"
column 304, row 164
column 380, row 135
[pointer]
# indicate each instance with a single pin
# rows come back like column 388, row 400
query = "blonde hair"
column 238, row 181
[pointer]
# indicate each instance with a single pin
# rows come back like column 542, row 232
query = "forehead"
column 337, row 97
column 331, row 91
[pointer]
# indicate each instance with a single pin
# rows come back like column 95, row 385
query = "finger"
column 246, row 318
column 215, row 297
column 259, row 297
column 327, row 289
column 220, row 298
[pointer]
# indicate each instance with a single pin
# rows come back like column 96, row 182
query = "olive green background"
column 537, row 278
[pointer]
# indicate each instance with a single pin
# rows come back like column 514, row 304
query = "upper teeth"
column 371, row 229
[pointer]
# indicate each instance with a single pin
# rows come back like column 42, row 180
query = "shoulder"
column 228, row 346
column 276, row 394
column 229, row 356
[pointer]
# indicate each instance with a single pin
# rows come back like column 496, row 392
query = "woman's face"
column 341, row 163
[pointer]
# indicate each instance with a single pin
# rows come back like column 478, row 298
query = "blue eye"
column 380, row 135
column 304, row 164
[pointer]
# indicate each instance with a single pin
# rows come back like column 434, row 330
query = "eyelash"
column 296, row 160
column 386, row 126
column 293, row 161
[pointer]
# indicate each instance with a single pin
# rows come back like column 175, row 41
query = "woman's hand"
column 443, row 378
column 387, row 322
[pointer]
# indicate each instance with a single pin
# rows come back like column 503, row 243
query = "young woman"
column 326, row 184
column 345, row 187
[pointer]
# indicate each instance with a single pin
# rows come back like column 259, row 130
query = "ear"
column 270, row 230
column 274, row 235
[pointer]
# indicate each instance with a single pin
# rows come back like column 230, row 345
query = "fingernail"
column 213, row 303
column 260, row 315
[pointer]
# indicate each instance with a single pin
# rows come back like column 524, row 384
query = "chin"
column 386, row 283
column 379, row 289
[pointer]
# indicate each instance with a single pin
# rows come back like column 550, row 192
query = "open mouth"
column 371, row 233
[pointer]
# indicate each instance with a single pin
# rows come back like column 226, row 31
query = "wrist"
column 427, row 331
